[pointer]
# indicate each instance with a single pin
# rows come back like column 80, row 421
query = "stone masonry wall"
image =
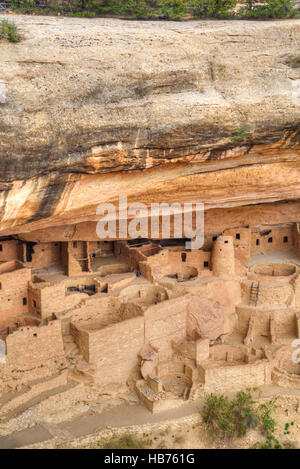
column 34, row 345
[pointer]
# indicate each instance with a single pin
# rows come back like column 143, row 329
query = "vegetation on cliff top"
column 162, row 9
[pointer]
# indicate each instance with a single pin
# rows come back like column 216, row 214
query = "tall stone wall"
column 166, row 322
column 114, row 351
column 13, row 294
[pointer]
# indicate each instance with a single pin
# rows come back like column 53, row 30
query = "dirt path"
column 120, row 416
column 91, row 422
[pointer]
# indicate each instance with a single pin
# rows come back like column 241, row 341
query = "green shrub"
column 9, row 31
column 276, row 9
column 168, row 9
column 23, row 6
column 173, row 9
column 213, row 8
column 229, row 418
column 126, row 441
column 131, row 8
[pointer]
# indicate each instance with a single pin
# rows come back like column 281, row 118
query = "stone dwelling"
column 150, row 315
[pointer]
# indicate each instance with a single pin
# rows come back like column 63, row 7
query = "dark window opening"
column 29, row 251
column 285, row 239
column 257, row 242
column 183, row 257
column 24, row 301
column 238, row 236
column 73, row 289
column 1, row 247
column 205, row 263
column 226, row 242
column 270, row 240
column 34, row 303
column 214, row 238
column 75, row 244
column 265, row 232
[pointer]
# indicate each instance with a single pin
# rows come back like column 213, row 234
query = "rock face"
column 160, row 111
column 205, row 320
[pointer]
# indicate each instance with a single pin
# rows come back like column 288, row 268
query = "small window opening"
column 257, row 242
column 285, row 239
column 270, row 240
column 238, row 236
column 183, row 257
column 24, row 301
column 205, row 264
column 74, row 244
column 1, row 247
column 34, row 303
column 214, row 238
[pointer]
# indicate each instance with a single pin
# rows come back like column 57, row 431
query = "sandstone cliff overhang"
column 202, row 111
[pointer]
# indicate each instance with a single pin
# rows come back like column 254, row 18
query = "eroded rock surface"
column 205, row 319
column 161, row 111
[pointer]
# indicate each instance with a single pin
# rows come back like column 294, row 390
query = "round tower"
column 223, row 264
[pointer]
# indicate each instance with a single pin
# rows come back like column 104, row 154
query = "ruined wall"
column 8, row 250
column 13, row 293
column 94, row 312
column 166, row 322
column 234, row 378
column 44, row 255
column 201, row 259
column 268, row 239
column 114, row 351
column 46, row 299
column 81, row 338
column 270, row 293
column 132, row 255
column 34, row 345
